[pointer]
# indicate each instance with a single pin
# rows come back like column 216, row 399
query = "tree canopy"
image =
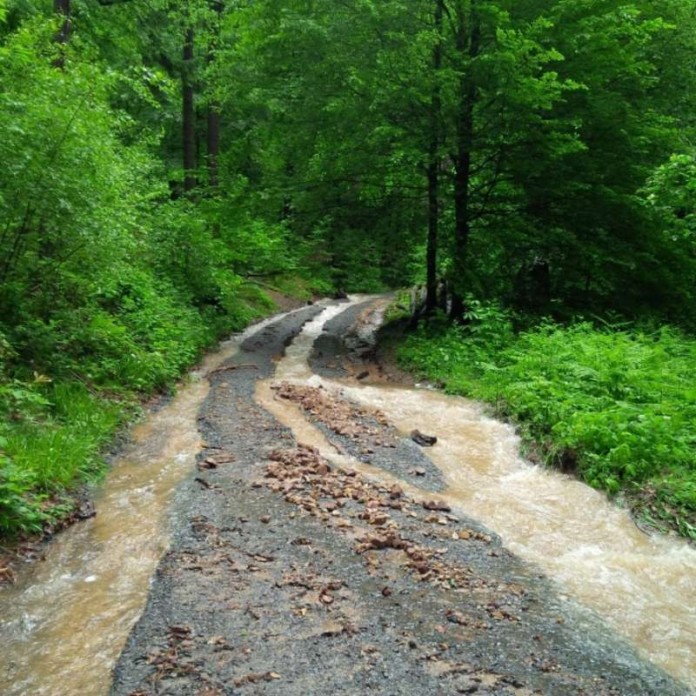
column 543, row 146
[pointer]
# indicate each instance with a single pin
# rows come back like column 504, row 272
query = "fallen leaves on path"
column 256, row 678
column 363, row 511
column 213, row 461
column 341, row 416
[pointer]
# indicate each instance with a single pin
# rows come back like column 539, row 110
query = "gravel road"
column 288, row 575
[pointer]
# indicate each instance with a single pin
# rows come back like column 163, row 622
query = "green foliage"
column 671, row 194
column 42, row 456
column 65, row 445
column 19, row 509
column 109, row 290
column 574, row 119
column 616, row 404
column 604, row 249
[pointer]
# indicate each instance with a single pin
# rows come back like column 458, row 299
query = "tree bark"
column 188, row 113
column 433, row 169
column 213, row 141
column 468, row 46
column 62, row 9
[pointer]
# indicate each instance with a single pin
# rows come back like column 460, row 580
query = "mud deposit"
column 291, row 574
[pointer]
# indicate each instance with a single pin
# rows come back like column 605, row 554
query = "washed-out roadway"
column 290, row 575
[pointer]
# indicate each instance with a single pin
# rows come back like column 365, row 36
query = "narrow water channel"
column 644, row 587
column 63, row 625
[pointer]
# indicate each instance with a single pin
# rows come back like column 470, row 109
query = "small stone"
column 423, row 440
column 437, row 505
column 466, row 685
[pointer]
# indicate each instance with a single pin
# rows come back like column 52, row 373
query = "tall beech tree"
column 467, row 40
column 213, row 120
column 434, row 163
column 188, row 109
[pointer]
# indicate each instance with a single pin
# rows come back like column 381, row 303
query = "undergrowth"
column 94, row 367
column 614, row 404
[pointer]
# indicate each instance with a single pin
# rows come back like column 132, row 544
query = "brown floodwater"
column 643, row 586
column 64, row 623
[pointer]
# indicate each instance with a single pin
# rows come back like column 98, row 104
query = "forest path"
column 291, row 574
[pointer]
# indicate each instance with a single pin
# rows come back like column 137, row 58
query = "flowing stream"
column 63, row 625
column 643, row 586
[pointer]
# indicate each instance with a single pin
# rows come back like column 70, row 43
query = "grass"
column 616, row 405
column 46, row 453
column 65, row 446
column 54, row 430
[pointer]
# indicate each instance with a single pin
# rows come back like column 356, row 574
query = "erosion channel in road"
column 305, row 545
column 643, row 586
column 317, row 550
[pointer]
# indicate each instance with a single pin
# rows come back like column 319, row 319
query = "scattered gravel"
column 364, row 434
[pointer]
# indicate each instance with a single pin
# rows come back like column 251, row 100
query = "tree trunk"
column 188, row 114
column 468, row 45
column 214, row 108
column 433, row 169
column 62, row 9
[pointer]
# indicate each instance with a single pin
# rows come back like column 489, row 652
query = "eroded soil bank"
column 290, row 573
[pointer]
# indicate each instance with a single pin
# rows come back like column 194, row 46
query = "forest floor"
column 290, row 575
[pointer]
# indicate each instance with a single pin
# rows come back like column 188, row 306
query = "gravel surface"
column 289, row 576
column 365, row 435
column 340, row 344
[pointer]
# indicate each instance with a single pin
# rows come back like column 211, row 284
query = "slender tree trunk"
column 214, row 108
column 433, row 169
column 18, row 241
column 188, row 113
column 62, row 9
column 468, row 45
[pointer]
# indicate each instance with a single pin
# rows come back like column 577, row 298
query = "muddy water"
column 62, row 626
column 645, row 587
